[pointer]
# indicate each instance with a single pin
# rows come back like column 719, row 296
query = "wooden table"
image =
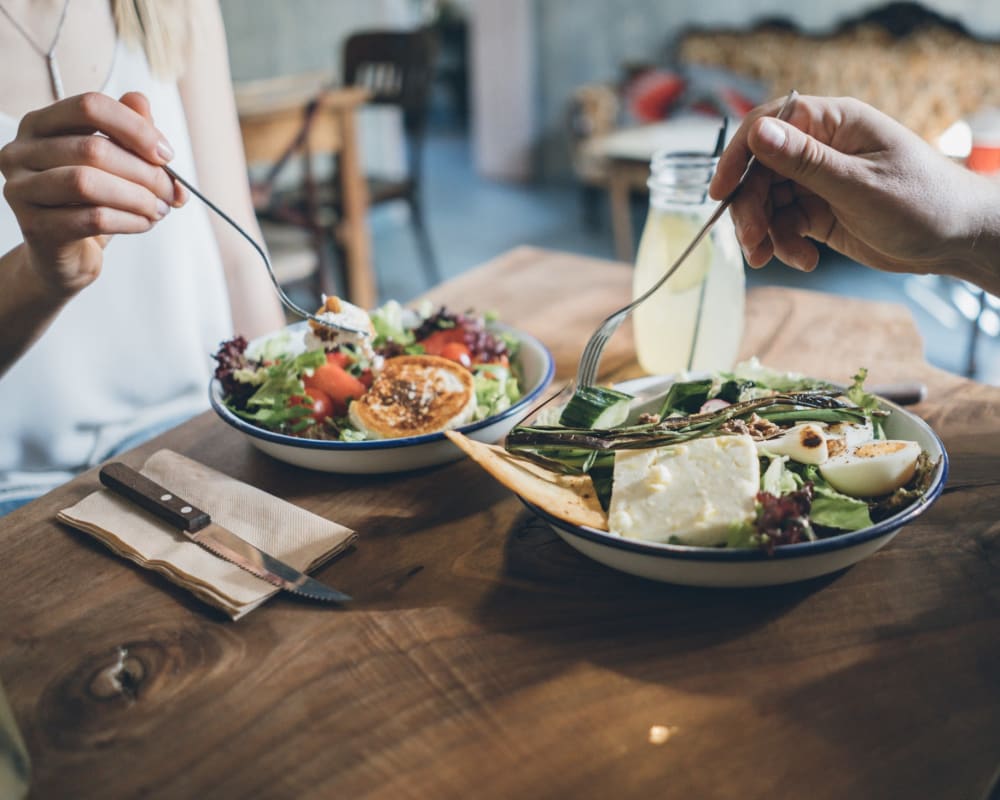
column 271, row 115
column 484, row 658
column 626, row 176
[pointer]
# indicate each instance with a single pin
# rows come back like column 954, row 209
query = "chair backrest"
column 397, row 68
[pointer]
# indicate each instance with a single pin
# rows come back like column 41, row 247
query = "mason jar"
column 695, row 320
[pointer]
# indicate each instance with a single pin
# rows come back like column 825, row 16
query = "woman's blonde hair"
column 163, row 28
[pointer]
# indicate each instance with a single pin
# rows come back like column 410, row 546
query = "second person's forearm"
column 978, row 260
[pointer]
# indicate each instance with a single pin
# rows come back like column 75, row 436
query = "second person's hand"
column 844, row 174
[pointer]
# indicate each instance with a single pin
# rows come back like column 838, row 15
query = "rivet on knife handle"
column 152, row 497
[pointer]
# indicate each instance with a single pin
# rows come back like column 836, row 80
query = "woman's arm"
column 27, row 306
column 207, row 93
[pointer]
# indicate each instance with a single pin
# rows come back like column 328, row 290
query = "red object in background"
column 652, row 94
column 984, row 158
column 724, row 102
column 737, row 104
column 985, row 153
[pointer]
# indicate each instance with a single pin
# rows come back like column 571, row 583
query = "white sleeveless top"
column 133, row 349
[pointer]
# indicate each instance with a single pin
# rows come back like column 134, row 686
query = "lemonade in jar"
column 695, row 320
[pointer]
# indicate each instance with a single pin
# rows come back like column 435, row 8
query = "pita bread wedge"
column 571, row 498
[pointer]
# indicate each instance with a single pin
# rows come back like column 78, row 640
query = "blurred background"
column 480, row 125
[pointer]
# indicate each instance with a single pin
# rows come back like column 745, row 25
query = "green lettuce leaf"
column 272, row 348
column 830, row 508
column 856, row 393
column 834, row 510
column 767, row 378
column 777, row 479
column 742, row 535
column 496, row 389
column 388, row 322
column 271, row 405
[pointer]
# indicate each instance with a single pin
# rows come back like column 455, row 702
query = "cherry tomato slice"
column 455, row 351
column 436, row 342
column 339, row 358
column 338, row 384
column 322, row 405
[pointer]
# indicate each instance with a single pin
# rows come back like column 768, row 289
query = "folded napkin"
column 285, row 531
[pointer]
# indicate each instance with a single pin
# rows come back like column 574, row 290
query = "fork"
column 587, row 370
column 285, row 299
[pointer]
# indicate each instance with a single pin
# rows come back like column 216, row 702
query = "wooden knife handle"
column 903, row 394
column 154, row 498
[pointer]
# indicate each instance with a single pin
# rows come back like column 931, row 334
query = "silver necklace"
column 55, row 79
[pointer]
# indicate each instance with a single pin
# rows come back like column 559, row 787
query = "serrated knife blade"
column 198, row 526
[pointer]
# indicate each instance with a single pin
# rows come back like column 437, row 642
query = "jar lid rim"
column 667, row 154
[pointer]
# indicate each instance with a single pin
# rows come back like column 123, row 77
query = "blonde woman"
column 113, row 296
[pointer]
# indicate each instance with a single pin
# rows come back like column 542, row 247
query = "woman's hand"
column 842, row 173
column 71, row 189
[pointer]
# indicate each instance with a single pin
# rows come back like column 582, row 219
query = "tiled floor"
column 472, row 220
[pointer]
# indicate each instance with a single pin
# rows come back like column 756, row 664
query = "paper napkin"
column 292, row 534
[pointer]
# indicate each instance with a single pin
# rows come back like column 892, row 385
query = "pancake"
column 414, row 395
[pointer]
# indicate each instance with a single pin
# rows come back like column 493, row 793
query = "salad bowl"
column 401, row 454
column 738, row 567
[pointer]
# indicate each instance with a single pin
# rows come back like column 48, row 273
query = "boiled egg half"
column 803, row 443
column 873, row 468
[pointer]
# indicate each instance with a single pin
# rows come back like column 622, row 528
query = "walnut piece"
column 756, row 427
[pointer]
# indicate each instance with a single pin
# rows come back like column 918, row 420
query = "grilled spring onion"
column 595, row 407
column 563, row 448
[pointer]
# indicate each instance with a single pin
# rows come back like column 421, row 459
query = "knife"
column 197, row 525
column 902, row 394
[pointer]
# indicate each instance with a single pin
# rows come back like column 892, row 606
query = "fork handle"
column 720, row 209
column 290, row 304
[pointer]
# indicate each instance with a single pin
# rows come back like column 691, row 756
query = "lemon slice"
column 678, row 232
column 664, row 239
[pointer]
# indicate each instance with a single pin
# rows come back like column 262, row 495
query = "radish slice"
column 715, row 404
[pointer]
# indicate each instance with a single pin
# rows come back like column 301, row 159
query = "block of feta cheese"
column 693, row 491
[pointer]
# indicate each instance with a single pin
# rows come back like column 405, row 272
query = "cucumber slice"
column 595, row 407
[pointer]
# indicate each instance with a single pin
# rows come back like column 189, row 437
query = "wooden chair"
column 279, row 215
column 288, row 123
column 396, row 68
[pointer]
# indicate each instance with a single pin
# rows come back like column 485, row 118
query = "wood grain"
column 484, row 658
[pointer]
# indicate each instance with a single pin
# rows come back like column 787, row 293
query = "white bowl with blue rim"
column 735, row 567
column 405, row 453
